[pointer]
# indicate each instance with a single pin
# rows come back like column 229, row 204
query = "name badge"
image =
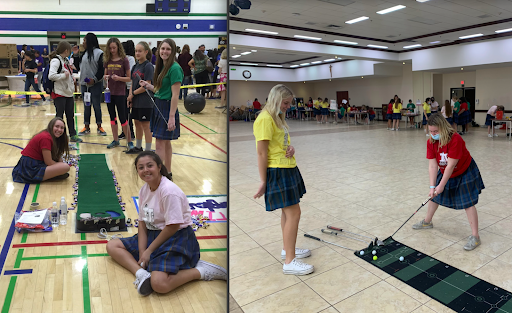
column 87, row 97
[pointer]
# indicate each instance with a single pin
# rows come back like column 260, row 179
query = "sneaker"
column 130, row 145
column 299, row 253
column 25, row 104
column 423, row 225
column 427, row 135
column 473, row 242
column 210, row 271
column 113, row 144
column 101, row 131
column 495, row 135
column 392, row 129
column 122, row 136
column 489, row 135
column 84, row 131
column 143, row 283
column 397, row 129
column 134, row 150
column 60, row 177
column 75, row 138
column 296, row 267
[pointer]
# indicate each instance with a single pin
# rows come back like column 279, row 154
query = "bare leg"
column 291, row 226
column 168, row 155
column 114, row 131
column 432, row 208
column 55, row 170
column 118, row 252
column 160, row 149
column 223, row 98
column 127, row 132
column 162, row 282
column 473, row 220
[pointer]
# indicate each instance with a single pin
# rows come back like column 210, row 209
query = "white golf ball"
column 362, row 252
column 374, row 252
column 401, row 258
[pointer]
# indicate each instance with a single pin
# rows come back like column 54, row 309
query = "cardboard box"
column 8, row 59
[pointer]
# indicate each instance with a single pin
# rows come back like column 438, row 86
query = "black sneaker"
column 122, row 136
column 134, row 150
column 60, row 177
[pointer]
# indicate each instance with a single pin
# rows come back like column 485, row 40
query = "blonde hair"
column 107, row 56
column 224, row 54
column 446, row 130
column 273, row 106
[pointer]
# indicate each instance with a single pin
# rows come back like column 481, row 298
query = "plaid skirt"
column 180, row 252
column 425, row 119
column 28, row 171
column 449, row 120
column 285, row 187
column 397, row 116
column 389, row 116
column 488, row 120
column 158, row 125
column 461, row 192
column 464, row 118
column 455, row 117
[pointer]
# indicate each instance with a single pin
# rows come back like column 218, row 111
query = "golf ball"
column 401, row 258
column 375, row 258
column 374, row 252
column 362, row 252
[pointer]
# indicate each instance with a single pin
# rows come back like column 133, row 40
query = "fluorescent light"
column 273, row 65
column 359, row 19
column 248, row 64
column 421, row 1
column 375, row 46
column 294, row 66
column 254, row 50
column 307, row 37
column 471, row 36
column 395, row 8
column 302, row 64
column 260, row 31
column 412, row 46
column 246, row 53
column 328, row 60
column 438, row 41
column 346, row 42
column 316, row 62
column 503, row 30
column 235, row 56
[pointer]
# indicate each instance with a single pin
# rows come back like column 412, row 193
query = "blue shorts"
column 488, row 120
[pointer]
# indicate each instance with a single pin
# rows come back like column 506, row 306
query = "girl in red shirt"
column 458, row 181
column 464, row 115
column 42, row 157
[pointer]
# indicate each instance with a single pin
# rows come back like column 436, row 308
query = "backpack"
column 46, row 82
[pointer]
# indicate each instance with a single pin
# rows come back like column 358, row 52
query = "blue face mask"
column 435, row 137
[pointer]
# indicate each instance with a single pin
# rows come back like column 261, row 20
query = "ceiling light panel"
column 375, row 46
column 412, row 46
column 392, row 9
column 260, row 31
column 346, row 42
column 307, row 37
column 471, row 36
column 359, row 19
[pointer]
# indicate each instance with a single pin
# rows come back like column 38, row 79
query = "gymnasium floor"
column 366, row 180
column 79, row 277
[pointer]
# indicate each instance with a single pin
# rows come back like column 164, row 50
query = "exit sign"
column 462, row 82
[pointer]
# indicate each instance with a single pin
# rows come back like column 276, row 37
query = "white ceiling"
column 262, row 56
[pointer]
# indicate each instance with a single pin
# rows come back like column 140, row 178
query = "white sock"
column 148, row 146
column 200, row 269
column 140, row 272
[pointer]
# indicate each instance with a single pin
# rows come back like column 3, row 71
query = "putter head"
column 378, row 242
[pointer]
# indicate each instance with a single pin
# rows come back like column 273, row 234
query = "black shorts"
column 142, row 114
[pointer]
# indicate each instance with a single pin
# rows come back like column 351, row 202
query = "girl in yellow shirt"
column 426, row 113
column 397, row 114
column 325, row 110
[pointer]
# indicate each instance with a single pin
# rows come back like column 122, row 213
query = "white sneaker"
column 489, row 135
column 397, row 129
column 392, row 129
column 296, row 267
column 211, row 271
column 143, row 282
column 495, row 135
column 299, row 253
column 427, row 135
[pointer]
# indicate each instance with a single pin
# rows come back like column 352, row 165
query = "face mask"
column 435, row 137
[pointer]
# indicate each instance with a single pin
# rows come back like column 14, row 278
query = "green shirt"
column 174, row 75
column 469, row 105
column 411, row 107
column 200, row 65
column 456, row 107
column 342, row 111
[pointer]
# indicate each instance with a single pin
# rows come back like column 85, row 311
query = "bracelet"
column 432, row 187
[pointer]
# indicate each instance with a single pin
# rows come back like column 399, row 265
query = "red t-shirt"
column 372, row 112
column 256, row 105
column 463, row 106
column 390, row 108
column 455, row 149
column 35, row 146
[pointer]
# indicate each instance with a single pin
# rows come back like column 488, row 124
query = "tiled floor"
column 367, row 180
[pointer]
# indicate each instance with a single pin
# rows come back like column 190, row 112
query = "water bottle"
column 107, row 95
column 63, row 212
column 54, row 217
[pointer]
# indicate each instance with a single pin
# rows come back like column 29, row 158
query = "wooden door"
column 340, row 95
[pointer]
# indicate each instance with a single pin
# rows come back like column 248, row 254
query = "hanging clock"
column 246, row 74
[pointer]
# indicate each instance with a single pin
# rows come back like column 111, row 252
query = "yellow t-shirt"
column 266, row 129
column 349, row 109
column 325, row 105
column 426, row 107
column 301, row 105
column 397, row 107
column 316, row 104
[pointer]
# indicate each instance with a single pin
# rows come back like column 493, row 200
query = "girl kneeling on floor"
column 281, row 182
column 42, row 157
column 458, row 182
column 165, row 253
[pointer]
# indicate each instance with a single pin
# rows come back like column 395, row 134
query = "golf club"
column 424, row 202
column 376, row 241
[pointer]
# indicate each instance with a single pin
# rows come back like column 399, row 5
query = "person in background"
column 39, row 62
column 389, row 112
column 426, row 114
column 397, row 114
column 411, row 107
column 183, row 60
column 456, row 109
column 434, row 106
column 75, row 55
column 46, row 58
column 470, row 118
column 29, row 67
column 464, row 115
column 447, row 112
column 371, row 114
column 223, row 72
column 491, row 114
column 129, row 49
column 198, row 63
column 153, row 58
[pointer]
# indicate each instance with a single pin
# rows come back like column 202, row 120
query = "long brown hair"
column 156, row 158
column 120, row 50
column 161, row 67
column 446, row 130
column 60, row 145
column 145, row 45
column 185, row 50
column 61, row 47
column 447, row 108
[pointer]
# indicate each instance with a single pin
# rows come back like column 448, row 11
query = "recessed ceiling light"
column 392, row 9
column 302, row 64
column 438, row 41
column 346, row 42
column 273, row 65
column 234, row 47
column 246, row 53
column 260, row 31
column 248, row 64
column 471, row 36
column 403, row 63
column 412, row 46
column 461, row 68
column 422, row 1
column 336, row 57
column 316, row 62
column 328, row 60
column 375, row 46
column 362, row 77
column 235, row 56
column 294, row 66
column 503, row 30
column 254, row 50
column 359, row 19
column 307, row 37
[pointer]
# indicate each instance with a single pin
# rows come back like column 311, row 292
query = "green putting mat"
column 97, row 196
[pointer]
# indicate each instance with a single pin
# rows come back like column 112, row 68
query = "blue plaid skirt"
column 425, row 119
column 461, row 192
column 389, row 116
column 325, row 111
column 397, row 116
column 449, row 120
column 158, row 125
column 372, row 117
column 285, row 187
column 464, row 118
column 180, row 252
column 28, row 171
column 316, row 111
column 488, row 120
column 455, row 117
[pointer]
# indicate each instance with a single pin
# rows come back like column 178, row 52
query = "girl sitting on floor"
column 165, row 253
column 42, row 157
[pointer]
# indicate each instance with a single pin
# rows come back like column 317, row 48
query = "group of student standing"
column 457, row 112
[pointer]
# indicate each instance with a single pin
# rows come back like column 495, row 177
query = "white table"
column 508, row 125
column 16, row 82
column 407, row 115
